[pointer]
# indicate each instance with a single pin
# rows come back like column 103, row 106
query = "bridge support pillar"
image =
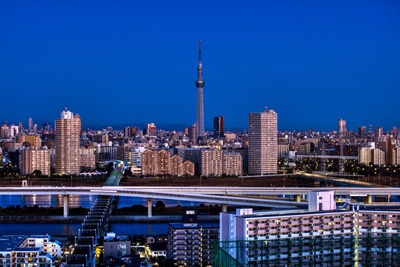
column 297, row 198
column 149, row 208
column 368, row 199
column 224, row 208
column 66, row 206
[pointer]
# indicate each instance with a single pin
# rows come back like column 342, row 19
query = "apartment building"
column 321, row 235
column 31, row 160
column 26, row 251
column 190, row 243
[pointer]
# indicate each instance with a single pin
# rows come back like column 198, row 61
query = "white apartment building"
column 28, row 251
column 319, row 236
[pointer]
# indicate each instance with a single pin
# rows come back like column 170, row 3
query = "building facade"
column 211, row 162
column 87, row 158
column 190, row 243
column 27, row 251
column 319, row 236
column 232, row 164
column 34, row 159
column 67, row 141
column 263, row 143
column 219, row 127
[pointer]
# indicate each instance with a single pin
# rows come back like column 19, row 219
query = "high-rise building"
column 192, row 133
column 342, row 130
column 263, row 142
column 151, row 129
column 21, row 127
column 362, row 132
column 30, row 124
column 200, row 103
column 67, row 129
column 218, row 127
column 378, row 132
column 190, row 243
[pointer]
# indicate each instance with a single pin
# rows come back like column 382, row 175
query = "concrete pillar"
column 368, row 199
column 224, row 208
column 149, row 208
column 66, row 206
column 297, row 198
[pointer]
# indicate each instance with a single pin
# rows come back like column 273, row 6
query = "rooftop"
column 10, row 242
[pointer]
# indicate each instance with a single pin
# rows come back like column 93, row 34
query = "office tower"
column 192, row 132
column 67, row 129
column 14, row 130
column 362, row 132
column 342, row 130
column 342, row 133
column 218, row 127
column 21, row 127
column 4, row 133
column 127, row 131
column 263, row 142
column 378, row 133
column 35, row 128
column 30, row 124
column 200, row 104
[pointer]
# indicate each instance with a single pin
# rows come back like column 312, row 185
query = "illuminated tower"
column 342, row 131
column 200, row 104
column 68, row 129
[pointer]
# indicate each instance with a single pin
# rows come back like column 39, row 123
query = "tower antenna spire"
column 200, row 52
column 200, row 104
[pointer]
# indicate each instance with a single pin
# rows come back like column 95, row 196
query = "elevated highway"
column 215, row 195
column 243, row 196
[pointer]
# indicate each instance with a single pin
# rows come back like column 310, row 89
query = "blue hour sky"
column 117, row 62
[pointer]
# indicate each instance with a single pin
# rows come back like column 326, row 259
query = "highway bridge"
column 241, row 196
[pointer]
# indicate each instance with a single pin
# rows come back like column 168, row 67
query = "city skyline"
column 130, row 63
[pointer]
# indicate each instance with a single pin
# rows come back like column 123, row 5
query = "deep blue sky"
column 135, row 61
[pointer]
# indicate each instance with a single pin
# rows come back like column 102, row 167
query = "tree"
column 160, row 205
column 37, row 173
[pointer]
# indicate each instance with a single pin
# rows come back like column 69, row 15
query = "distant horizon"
column 170, row 126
